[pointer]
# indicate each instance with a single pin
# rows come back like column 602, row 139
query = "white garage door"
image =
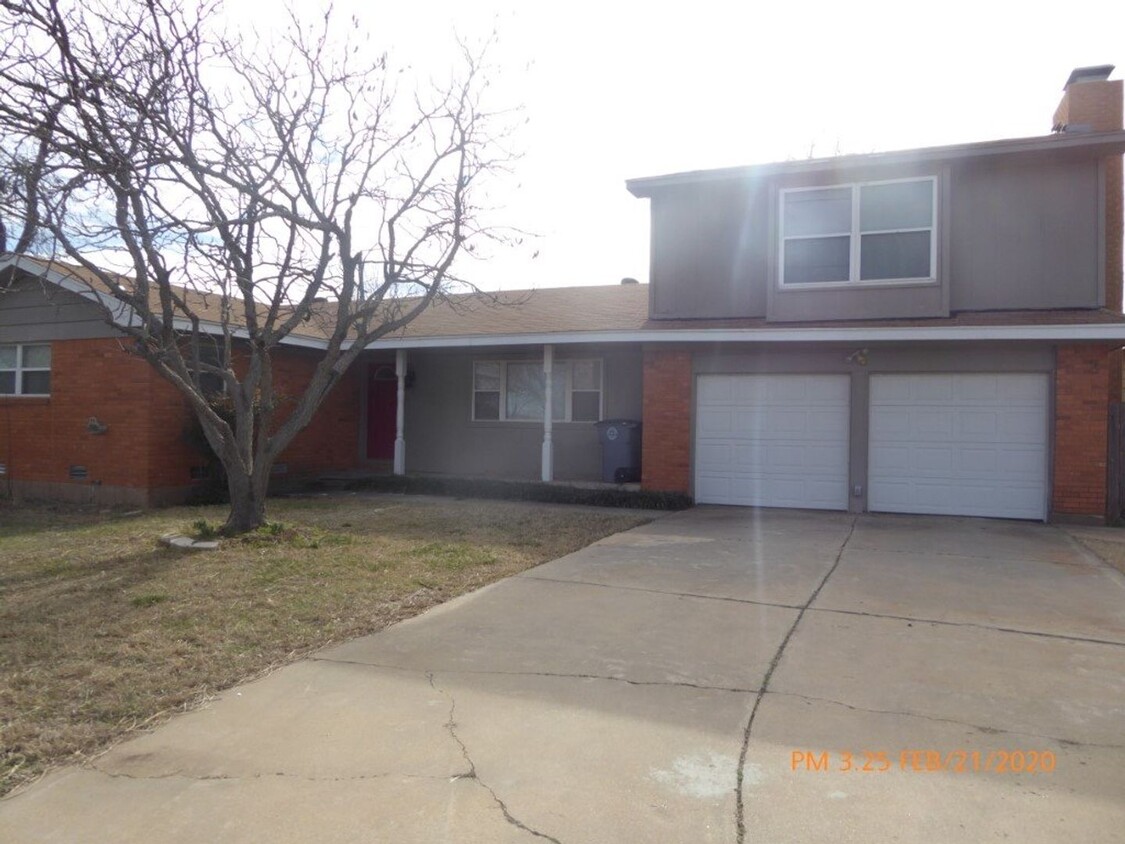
column 772, row 440
column 959, row 444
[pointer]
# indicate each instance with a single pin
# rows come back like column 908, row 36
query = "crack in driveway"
column 451, row 726
column 740, row 805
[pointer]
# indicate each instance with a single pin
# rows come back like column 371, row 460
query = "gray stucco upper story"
column 1016, row 226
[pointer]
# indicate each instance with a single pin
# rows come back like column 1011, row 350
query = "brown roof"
column 549, row 310
column 606, row 308
column 207, row 306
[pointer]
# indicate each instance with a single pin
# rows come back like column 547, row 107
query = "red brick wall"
column 1085, row 380
column 666, row 414
column 143, row 457
column 41, row 438
column 331, row 440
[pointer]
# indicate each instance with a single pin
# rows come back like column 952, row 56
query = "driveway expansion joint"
column 451, row 726
column 938, row 719
column 660, row 592
column 1066, row 637
column 739, row 802
column 558, row 674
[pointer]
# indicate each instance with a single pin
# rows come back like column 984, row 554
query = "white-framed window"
column 862, row 233
column 515, row 390
column 25, row 369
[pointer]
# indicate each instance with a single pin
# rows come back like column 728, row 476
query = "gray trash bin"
column 621, row 450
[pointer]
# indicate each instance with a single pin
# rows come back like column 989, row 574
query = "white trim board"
column 1086, row 332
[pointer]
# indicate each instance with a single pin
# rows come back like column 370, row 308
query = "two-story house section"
column 928, row 331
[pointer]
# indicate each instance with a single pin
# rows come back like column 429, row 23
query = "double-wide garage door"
column 958, row 444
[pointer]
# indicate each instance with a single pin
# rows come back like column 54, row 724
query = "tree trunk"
column 247, row 503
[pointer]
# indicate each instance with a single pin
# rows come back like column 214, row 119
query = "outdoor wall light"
column 93, row 426
column 858, row 357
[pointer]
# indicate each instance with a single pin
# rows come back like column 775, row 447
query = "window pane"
column 36, row 383
column 818, row 212
column 587, row 374
column 584, row 406
column 486, row 405
column 486, row 376
column 817, row 259
column 901, row 205
column 37, row 357
column 525, row 391
column 7, row 357
column 905, row 255
column 7, row 383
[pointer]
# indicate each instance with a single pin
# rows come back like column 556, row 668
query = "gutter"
column 1088, row 332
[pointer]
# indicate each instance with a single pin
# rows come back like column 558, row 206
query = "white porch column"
column 400, row 410
column 548, row 421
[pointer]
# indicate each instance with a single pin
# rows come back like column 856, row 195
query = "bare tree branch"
column 237, row 188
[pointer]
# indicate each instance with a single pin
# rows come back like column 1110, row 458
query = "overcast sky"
column 615, row 90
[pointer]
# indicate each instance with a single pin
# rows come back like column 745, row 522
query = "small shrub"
column 205, row 530
column 506, row 490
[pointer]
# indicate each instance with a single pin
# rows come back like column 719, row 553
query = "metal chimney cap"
column 1093, row 73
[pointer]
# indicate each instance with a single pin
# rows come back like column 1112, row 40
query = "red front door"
column 382, row 403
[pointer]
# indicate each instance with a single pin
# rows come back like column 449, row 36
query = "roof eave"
column 1080, row 332
column 1094, row 143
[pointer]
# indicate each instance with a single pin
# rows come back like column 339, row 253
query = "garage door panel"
column 1023, row 425
column 713, row 421
column 959, row 499
column 786, row 444
column 977, row 426
column 984, row 453
column 712, row 392
column 713, row 455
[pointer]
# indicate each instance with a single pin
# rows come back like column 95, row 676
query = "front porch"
column 485, row 413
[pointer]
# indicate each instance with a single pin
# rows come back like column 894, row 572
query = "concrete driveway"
column 702, row 678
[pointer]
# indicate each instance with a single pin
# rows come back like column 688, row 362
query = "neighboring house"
column 931, row 331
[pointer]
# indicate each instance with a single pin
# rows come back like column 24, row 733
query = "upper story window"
column 516, row 390
column 25, row 370
column 876, row 232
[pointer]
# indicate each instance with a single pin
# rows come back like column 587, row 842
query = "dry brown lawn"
column 103, row 631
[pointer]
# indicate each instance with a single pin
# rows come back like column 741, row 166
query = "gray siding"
column 937, row 357
column 1027, row 237
column 30, row 311
column 442, row 438
column 709, row 252
column 1010, row 236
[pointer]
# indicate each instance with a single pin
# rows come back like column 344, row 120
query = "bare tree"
column 241, row 185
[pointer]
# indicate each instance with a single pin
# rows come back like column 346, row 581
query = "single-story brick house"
column 929, row 331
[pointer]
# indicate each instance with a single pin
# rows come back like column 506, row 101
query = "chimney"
column 1091, row 102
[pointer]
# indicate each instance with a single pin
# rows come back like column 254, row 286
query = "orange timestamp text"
column 924, row 761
